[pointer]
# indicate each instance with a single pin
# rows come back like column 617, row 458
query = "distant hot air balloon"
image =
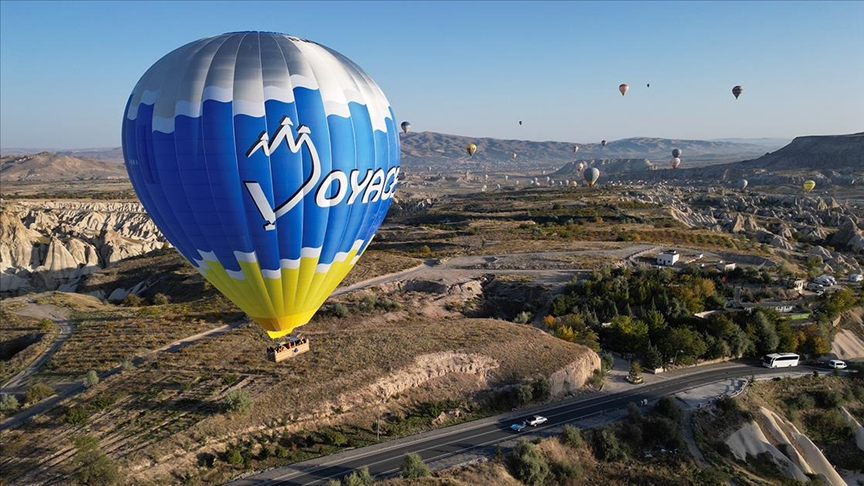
column 737, row 90
column 241, row 147
column 603, row 143
column 808, row 185
column 514, row 156
column 623, row 87
column 520, row 123
column 580, row 166
column 506, row 177
column 591, row 175
column 406, row 127
column 676, row 152
column 675, row 162
column 575, row 148
column 742, row 184
column 471, row 148
column 648, row 85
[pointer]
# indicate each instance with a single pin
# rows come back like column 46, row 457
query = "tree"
column 414, row 467
column 571, row 436
column 653, row 358
column 766, row 334
column 92, row 466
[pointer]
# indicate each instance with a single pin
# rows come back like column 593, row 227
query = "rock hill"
column 47, row 166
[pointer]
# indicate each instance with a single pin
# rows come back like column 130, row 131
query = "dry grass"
column 24, row 339
column 170, row 411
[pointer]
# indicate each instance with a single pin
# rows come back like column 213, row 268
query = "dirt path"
column 60, row 317
column 691, row 441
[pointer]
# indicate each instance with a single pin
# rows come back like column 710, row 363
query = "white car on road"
column 537, row 420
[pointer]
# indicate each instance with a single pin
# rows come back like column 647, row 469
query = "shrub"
column 76, row 415
column 414, row 467
column 233, row 457
column 527, row 465
column 38, row 392
column 523, row 317
column 340, row 310
column 336, row 438
column 540, row 388
column 126, row 365
column 571, row 436
column 132, row 300
column 360, row 477
column 9, row 404
column 667, row 407
column 829, row 399
column 607, row 447
column 91, row 379
column 161, row 299
column 46, row 325
column 237, row 401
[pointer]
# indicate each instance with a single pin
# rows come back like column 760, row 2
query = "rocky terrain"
column 807, row 224
column 50, row 245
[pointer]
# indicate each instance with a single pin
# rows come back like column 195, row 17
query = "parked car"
column 519, row 427
column 837, row 364
column 537, row 420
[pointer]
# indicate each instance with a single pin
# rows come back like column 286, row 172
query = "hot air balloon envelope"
column 603, row 143
column 676, row 152
column 737, row 90
column 406, row 127
column 808, row 185
column 591, row 175
column 268, row 161
column 471, row 148
column 742, row 184
column 623, row 87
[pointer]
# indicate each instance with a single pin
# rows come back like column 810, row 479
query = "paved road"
column 15, row 384
column 482, row 436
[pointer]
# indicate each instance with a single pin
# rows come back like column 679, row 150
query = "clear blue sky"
column 469, row 68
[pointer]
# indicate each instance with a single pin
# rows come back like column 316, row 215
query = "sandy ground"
column 847, row 345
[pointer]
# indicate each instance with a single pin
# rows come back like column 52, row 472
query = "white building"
column 668, row 258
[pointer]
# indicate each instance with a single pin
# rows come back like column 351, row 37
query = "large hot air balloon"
column 591, row 175
column 623, row 87
column 808, row 185
column 737, row 90
column 406, row 126
column 268, row 161
column 676, row 152
column 675, row 162
column 742, row 184
column 603, row 143
column 471, row 148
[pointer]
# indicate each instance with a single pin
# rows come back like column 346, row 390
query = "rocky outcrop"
column 575, row 375
column 48, row 245
column 849, row 236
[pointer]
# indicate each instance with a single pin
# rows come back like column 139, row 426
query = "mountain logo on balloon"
column 379, row 183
